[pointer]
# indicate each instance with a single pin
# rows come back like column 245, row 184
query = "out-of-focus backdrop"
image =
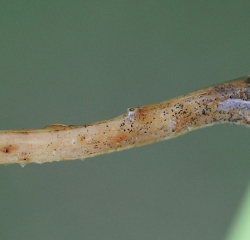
column 76, row 62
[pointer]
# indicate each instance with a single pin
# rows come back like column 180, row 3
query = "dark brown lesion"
column 5, row 150
column 9, row 148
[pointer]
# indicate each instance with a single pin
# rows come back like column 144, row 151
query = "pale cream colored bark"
column 227, row 102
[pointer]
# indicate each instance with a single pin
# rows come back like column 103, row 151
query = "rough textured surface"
column 223, row 103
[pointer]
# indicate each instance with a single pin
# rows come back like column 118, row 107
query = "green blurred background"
column 76, row 62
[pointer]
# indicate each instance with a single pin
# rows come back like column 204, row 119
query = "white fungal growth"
column 233, row 103
column 172, row 124
column 54, row 152
column 131, row 114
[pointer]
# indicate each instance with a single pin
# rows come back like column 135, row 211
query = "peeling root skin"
column 224, row 103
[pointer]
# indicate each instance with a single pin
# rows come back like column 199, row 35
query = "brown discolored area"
column 24, row 160
column 234, row 89
column 247, row 80
column 81, row 138
column 142, row 113
column 9, row 148
column 120, row 136
column 248, row 88
column 59, row 127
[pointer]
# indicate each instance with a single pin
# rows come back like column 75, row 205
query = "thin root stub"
column 223, row 103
